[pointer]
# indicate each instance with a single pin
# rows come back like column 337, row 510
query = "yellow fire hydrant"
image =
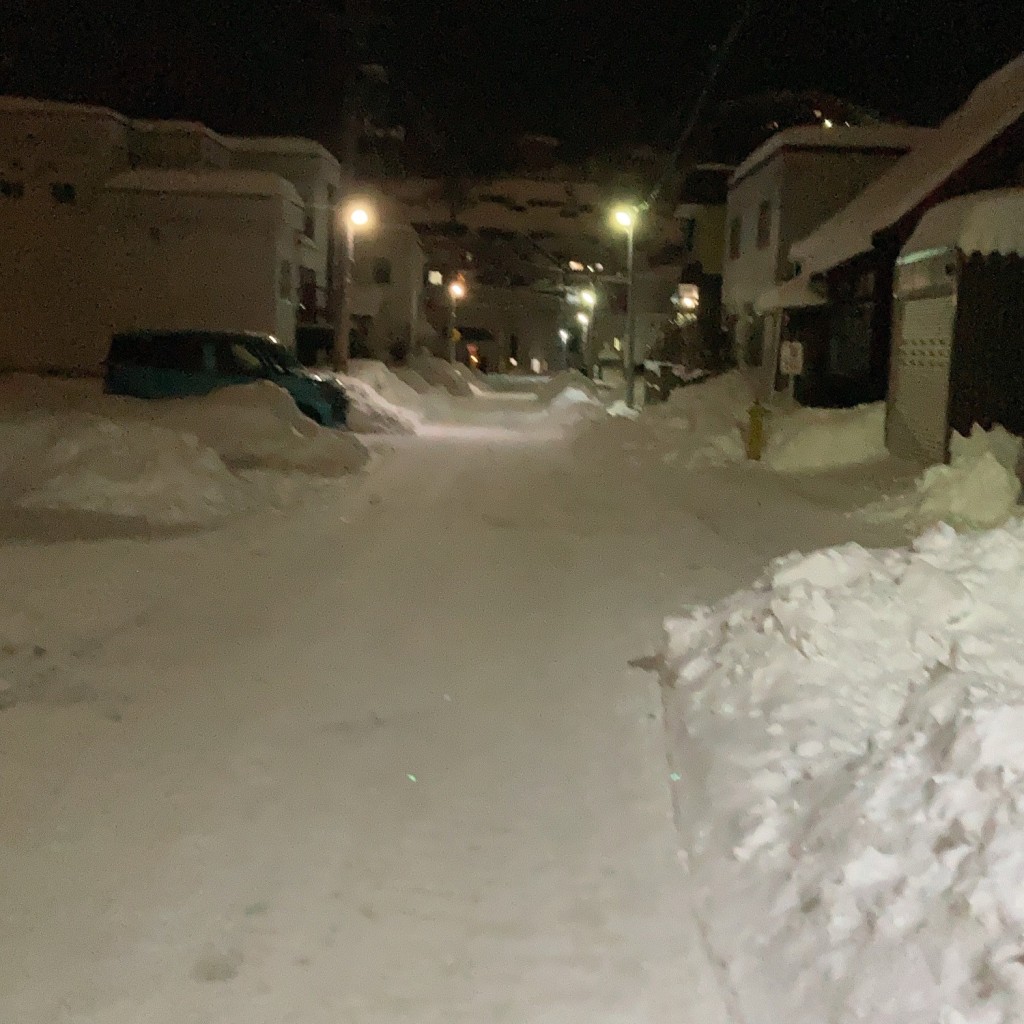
column 756, row 431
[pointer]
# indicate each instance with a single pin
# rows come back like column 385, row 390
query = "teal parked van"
column 177, row 364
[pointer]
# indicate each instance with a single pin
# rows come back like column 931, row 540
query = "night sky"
column 593, row 74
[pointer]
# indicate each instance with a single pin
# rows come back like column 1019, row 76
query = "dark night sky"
column 584, row 71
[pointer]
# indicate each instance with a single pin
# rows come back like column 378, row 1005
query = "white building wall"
column 215, row 262
column 54, row 159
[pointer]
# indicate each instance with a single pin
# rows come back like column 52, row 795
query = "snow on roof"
column 868, row 136
column 993, row 106
column 27, row 105
column 284, row 145
column 794, row 294
column 984, row 222
column 214, row 182
column 175, row 127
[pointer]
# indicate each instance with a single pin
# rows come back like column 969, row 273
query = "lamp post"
column 355, row 216
column 589, row 299
column 624, row 218
column 456, row 292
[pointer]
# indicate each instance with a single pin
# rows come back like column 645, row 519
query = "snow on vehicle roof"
column 867, row 136
column 984, row 222
column 285, row 145
column 27, row 105
column 993, row 106
column 213, row 182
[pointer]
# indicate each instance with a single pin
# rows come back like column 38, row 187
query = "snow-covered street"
column 382, row 758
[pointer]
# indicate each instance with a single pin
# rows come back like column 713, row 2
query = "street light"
column 625, row 218
column 456, row 292
column 356, row 215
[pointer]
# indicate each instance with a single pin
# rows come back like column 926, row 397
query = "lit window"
column 435, row 277
column 617, row 344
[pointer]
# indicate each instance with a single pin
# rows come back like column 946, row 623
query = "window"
column 735, row 226
column 181, row 353
column 62, row 192
column 382, row 270
column 689, row 230
column 435, row 277
column 236, row 359
column 764, row 225
column 11, row 189
column 309, row 228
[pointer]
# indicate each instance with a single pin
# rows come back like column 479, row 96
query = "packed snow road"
column 383, row 759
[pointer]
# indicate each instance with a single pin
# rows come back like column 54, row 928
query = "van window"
column 234, row 358
column 184, row 354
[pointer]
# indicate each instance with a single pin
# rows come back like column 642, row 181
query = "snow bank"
column 369, row 412
column 257, row 426
column 412, row 380
column 978, row 489
column 88, row 463
column 169, row 462
column 387, row 383
column 811, row 440
column 440, row 374
column 857, row 723
column 555, row 385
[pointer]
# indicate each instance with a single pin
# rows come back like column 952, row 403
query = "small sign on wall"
column 791, row 358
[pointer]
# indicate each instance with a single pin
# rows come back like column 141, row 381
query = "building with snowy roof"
column 783, row 190
column 840, row 304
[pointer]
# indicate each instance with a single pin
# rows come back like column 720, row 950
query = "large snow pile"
column 413, row 381
column 559, row 383
column 572, row 405
column 440, row 374
column 856, row 721
column 978, row 489
column 174, row 461
column 87, row 463
column 808, row 440
column 257, row 426
column 369, row 412
column 387, row 383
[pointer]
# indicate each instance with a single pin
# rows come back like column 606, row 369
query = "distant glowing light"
column 563, row 334
column 583, row 318
column 588, row 297
column 617, row 344
column 535, row 365
column 457, row 290
column 574, row 265
column 475, row 360
column 360, row 216
column 826, row 123
column 599, row 267
column 435, row 277
column 513, row 362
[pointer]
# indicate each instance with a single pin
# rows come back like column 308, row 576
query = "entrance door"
column 916, row 422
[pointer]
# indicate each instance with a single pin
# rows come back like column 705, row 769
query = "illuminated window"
column 435, row 277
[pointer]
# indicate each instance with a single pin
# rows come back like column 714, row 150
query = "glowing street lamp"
column 588, row 297
column 625, row 218
column 356, row 215
column 456, row 293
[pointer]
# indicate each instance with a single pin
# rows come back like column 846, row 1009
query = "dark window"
column 689, row 227
column 235, row 358
column 735, row 228
column 382, row 270
column 11, row 189
column 174, row 353
column 764, row 225
column 309, row 228
column 586, row 207
column 553, row 204
column 62, row 192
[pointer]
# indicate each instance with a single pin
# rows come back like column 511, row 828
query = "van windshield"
column 278, row 358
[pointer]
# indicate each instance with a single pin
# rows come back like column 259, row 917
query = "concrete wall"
column 178, row 144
